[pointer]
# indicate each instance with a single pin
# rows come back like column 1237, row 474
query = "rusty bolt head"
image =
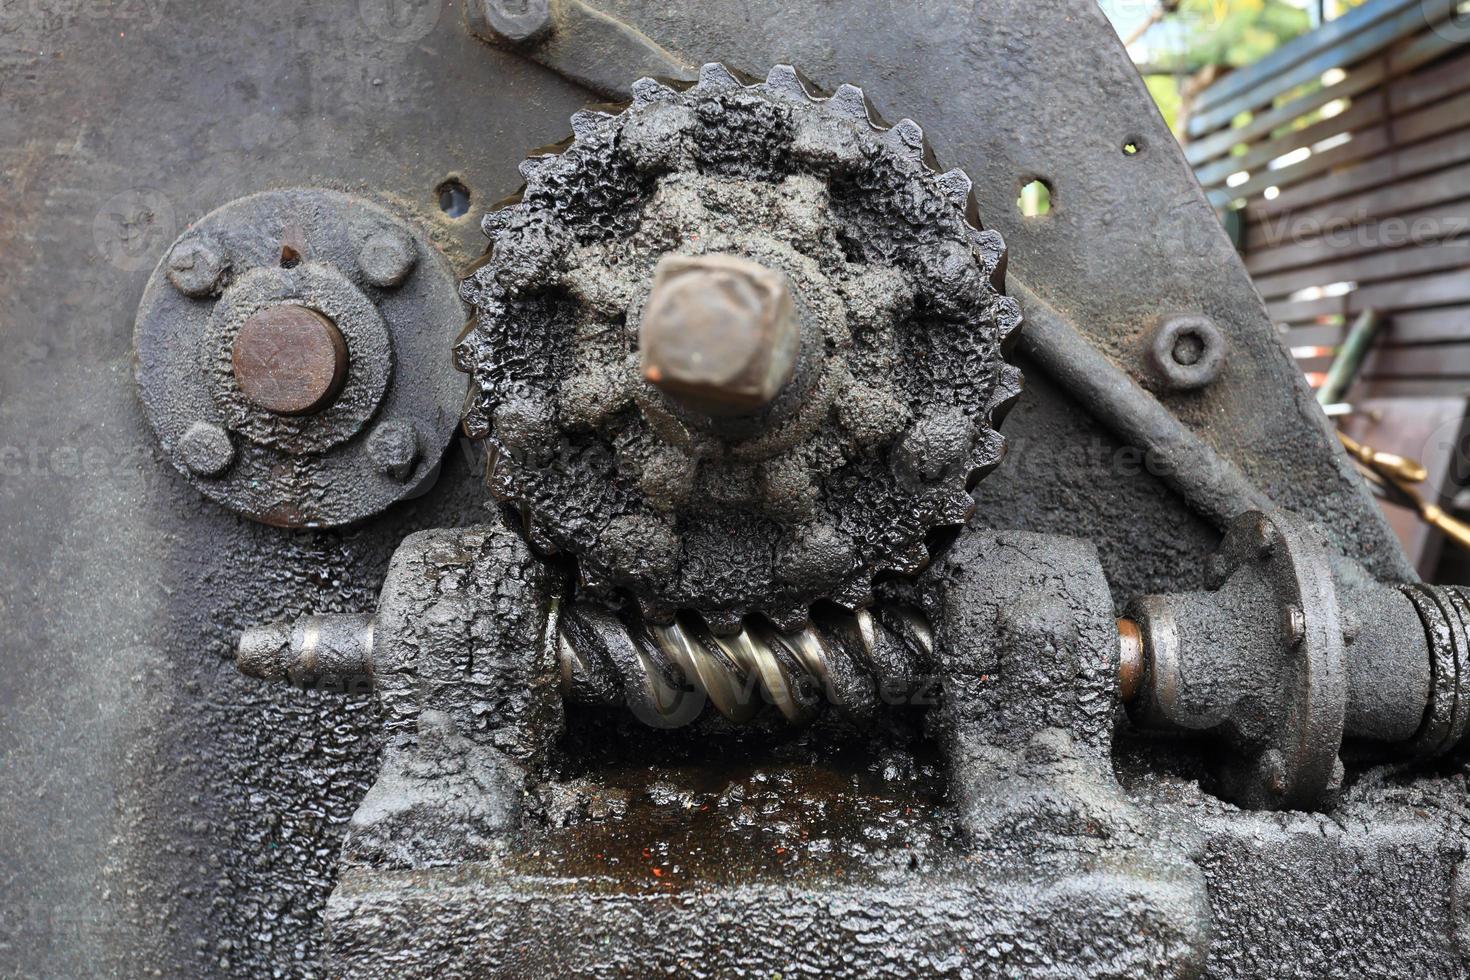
column 518, row 22
column 1293, row 625
column 394, row 446
column 289, row 360
column 205, row 450
column 387, row 257
column 719, row 333
column 196, row 267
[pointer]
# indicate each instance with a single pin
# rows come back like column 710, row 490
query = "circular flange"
column 323, row 252
column 1298, row 765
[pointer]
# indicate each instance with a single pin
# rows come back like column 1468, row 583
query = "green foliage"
column 1236, row 32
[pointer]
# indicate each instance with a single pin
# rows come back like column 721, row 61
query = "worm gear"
column 898, row 381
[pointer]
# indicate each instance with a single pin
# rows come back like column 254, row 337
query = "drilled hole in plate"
column 1035, row 198
column 454, row 198
column 1132, row 148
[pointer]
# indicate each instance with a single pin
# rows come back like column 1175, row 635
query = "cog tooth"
column 1010, row 316
column 993, row 255
column 908, row 136
column 723, row 622
column 956, row 186
column 493, row 222
column 850, row 101
column 531, row 167
column 1003, row 397
column 587, row 123
column 784, row 80
column 716, row 76
column 957, row 508
column 789, row 619
column 913, row 561
column 647, row 90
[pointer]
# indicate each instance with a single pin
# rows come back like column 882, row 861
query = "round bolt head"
column 196, row 267
column 394, row 447
column 518, row 22
column 289, row 360
column 205, row 450
column 719, row 333
column 387, row 257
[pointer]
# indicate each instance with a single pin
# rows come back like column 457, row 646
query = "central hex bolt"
column 719, row 333
column 289, row 360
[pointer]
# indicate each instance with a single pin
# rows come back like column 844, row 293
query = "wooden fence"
column 1343, row 159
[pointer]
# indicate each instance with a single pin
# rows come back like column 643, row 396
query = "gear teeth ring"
column 901, row 290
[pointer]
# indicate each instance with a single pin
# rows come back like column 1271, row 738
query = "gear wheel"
column 891, row 410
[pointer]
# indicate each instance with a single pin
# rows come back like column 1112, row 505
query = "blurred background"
column 1333, row 138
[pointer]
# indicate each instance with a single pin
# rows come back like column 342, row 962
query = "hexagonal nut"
column 394, row 447
column 719, row 333
column 387, row 257
column 205, row 450
column 516, row 23
column 197, row 267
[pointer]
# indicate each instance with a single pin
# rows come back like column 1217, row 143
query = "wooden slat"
column 1360, row 46
column 1416, row 228
column 1418, row 51
column 1448, row 323
column 1316, row 335
column 1380, row 170
column 1417, row 293
column 1366, row 143
column 1410, row 388
column 1426, row 361
column 1366, row 110
column 1307, row 310
column 1381, row 202
column 1401, row 97
column 1393, row 264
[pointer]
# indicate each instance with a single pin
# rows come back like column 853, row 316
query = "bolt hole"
column 290, row 258
column 1035, row 199
column 1132, row 148
column 1189, row 347
column 454, row 198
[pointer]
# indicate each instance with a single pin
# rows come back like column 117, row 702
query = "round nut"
column 517, row 22
column 394, row 446
column 196, row 268
column 206, row 450
column 387, row 257
column 1188, row 352
column 289, row 360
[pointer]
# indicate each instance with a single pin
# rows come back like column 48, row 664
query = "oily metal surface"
column 158, row 812
column 1129, row 241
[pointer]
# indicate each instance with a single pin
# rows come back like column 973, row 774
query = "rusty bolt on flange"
column 206, row 450
column 196, row 267
column 719, row 333
column 387, row 258
column 289, row 360
column 394, row 447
